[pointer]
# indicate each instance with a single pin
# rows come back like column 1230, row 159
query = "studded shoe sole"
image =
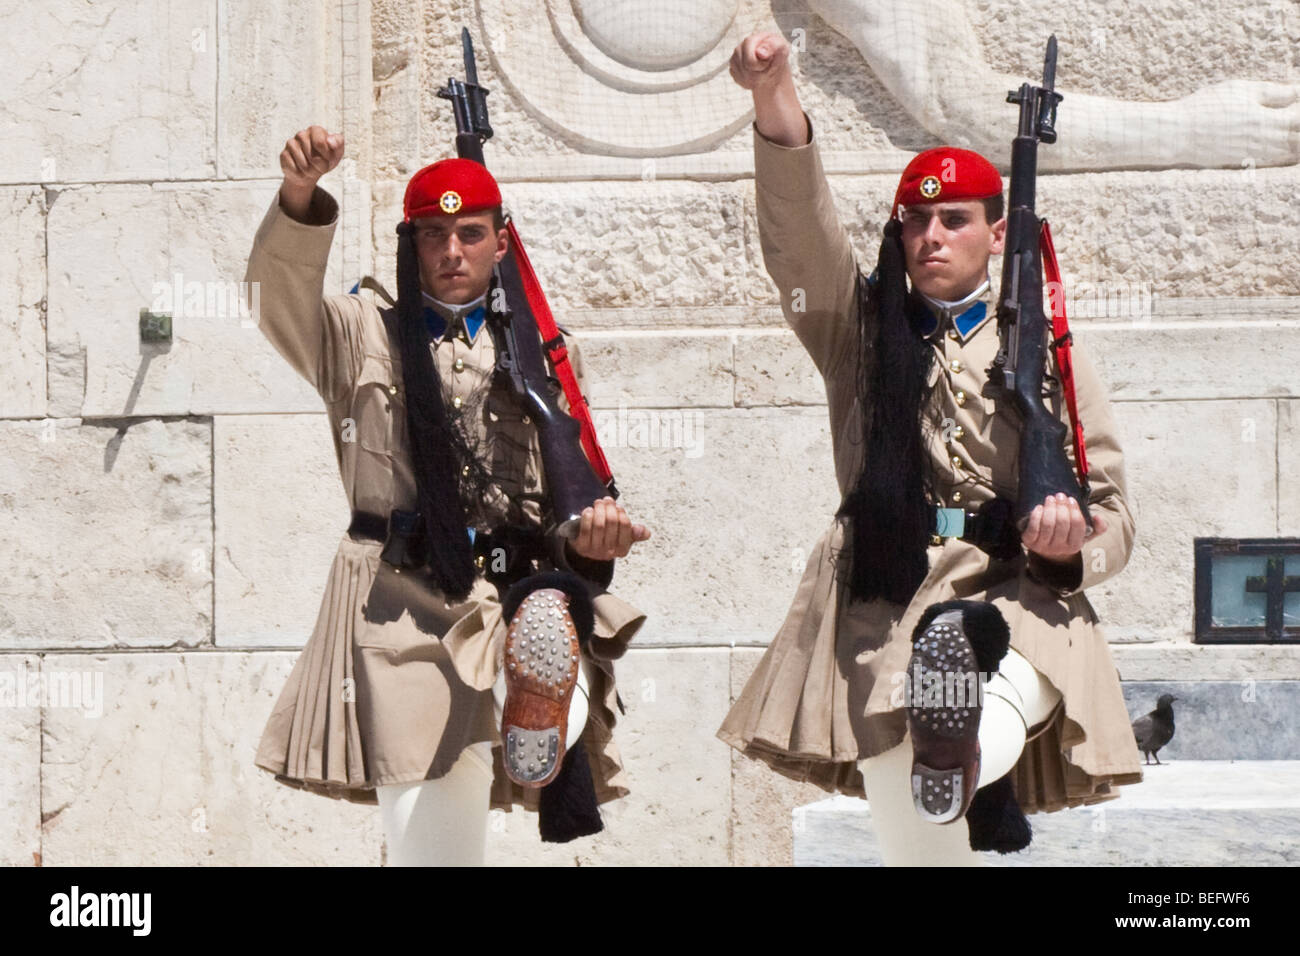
column 541, row 671
column 945, row 738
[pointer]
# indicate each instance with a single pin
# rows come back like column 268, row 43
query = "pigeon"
column 1155, row 729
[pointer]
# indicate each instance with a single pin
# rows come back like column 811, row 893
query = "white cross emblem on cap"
column 930, row 187
column 449, row 201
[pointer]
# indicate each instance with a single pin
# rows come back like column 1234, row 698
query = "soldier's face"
column 457, row 254
column 947, row 246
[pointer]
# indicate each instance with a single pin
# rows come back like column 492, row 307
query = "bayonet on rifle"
column 469, row 104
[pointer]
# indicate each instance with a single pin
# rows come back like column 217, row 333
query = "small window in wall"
column 1247, row 590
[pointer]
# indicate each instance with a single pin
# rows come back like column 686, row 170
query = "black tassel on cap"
column 439, row 451
column 889, row 512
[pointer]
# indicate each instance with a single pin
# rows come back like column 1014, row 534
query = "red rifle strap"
column 559, row 356
column 1061, row 340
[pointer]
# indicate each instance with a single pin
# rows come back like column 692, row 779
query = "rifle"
column 568, row 446
column 1018, row 368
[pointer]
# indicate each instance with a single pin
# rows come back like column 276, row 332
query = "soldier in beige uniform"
column 394, row 688
column 826, row 703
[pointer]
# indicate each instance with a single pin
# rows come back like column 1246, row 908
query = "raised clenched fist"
column 761, row 59
column 309, row 155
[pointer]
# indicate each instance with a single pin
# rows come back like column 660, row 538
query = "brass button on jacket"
column 956, row 365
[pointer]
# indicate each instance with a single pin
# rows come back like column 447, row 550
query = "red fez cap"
column 448, row 187
column 946, row 174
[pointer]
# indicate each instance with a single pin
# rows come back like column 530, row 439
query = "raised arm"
column 761, row 64
column 805, row 247
column 317, row 335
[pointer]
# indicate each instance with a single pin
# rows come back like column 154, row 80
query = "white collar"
column 451, row 311
column 454, row 315
column 946, row 308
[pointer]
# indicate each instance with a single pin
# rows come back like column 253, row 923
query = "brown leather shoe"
column 945, row 733
column 541, row 669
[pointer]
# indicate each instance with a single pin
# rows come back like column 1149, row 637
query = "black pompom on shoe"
column 983, row 625
column 581, row 610
column 996, row 821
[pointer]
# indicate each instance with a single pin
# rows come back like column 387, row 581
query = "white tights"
column 1016, row 698
column 440, row 822
column 443, row 822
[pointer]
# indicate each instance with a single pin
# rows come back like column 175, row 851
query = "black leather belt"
column 502, row 556
column 992, row 529
column 401, row 534
column 367, row 525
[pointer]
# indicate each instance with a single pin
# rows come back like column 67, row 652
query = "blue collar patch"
column 928, row 323
column 473, row 322
column 970, row 318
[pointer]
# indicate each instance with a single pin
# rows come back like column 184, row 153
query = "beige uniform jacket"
column 394, row 682
column 828, row 690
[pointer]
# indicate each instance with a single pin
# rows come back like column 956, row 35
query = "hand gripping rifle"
column 576, row 471
column 1020, row 365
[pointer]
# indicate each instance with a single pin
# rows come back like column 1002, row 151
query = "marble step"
column 1184, row 813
